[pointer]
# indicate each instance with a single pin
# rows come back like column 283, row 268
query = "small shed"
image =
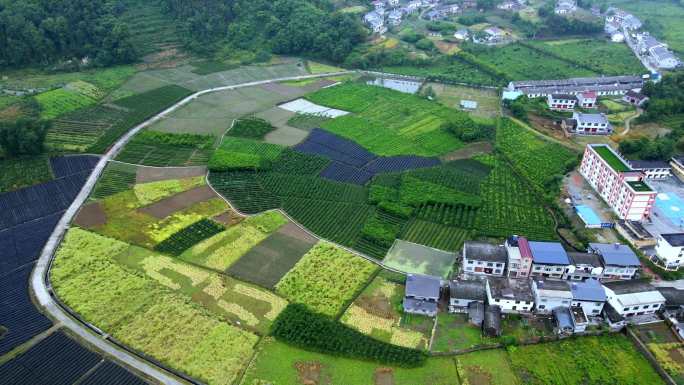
column 563, row 320
column 492, row 321
column 468, row 104
column 476, row 313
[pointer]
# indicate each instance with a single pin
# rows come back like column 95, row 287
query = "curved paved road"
column 39, row 283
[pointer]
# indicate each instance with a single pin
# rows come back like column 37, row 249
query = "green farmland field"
column 278, row 363
column 388, row 122
column 601, row 56
column 16, row 173
column 522, row 63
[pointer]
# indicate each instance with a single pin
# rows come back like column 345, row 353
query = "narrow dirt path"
column 628, row 121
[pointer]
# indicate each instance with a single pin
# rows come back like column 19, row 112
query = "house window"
column 625, row 309
column 635, row 308
column 514, row 307
column 517, row 302
column 543, row 299
column 489, row 264
column 470, row 262
column 542, row 306
column 595, row 311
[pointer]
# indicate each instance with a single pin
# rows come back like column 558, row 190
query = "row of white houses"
column 520, row 258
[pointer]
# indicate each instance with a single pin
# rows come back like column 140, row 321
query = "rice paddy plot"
column 413, row 258
column 267, row 262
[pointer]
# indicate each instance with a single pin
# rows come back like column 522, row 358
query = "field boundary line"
column 41, row 286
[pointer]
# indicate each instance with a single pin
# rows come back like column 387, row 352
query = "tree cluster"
column 40, row 32
column 23, row 136
column 298, row 27
column 299, row 326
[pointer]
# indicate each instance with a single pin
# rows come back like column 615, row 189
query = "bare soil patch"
column 383, row 376
column 477, row 376
column 154, row 174
column 309, row 372
column 91, row 215
column 469, row 151
column 229, row 218
column 294, row 231
column 378, row 305
column 170, row 205
column 676, row 356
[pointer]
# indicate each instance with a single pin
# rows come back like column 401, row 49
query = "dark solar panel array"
column 351, row 163
column 73, row 164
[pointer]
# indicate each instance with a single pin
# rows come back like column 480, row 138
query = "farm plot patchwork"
column 138, row 108
column 326, row 279
column 145, row 315
column 488, row 101
column 279, row 363
column 222, row 250
column 116, row 177
column 375, row 313
column 127, row 220
column 267, row 262
column 389, row 122
column 586, row 360
column 665, row 346
column 417, row 259
column 152, row 148
column 185, row 238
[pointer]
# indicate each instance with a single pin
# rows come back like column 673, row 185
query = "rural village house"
column 463, row 292
column 511, row 295
column 481, row 258
column 589, row 295
column 604, row 85
column 561, row 102
column 549, row 259
column 619, row 261
column 584, row 266
column 669, row 250
column 588, row 124
column 519, row 257
column 635, row 98
column 550, row 294
column 492, row 321
column 422, row 294
column 652, row 169
column 633, row 299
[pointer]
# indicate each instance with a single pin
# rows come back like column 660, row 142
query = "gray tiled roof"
column 471, row 289
column 483, row 251
column 590, row 259
column 673, row 297
column 674, row 239
column 629, row 287
column 411, row 304
column 507, row 288
column 422, row 286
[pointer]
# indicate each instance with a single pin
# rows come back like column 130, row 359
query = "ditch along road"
column 40, row 282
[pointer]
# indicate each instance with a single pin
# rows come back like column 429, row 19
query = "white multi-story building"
column 561, row 102
column 519, row 257
column 481, row 258
column 621, row 187
column 619, row 261
column 587, row 99
column 670, row 250
column 631, row 299
column 550, row 294
column 549, row 259
column 511, row 295
column 589, row 295
column 588, row 124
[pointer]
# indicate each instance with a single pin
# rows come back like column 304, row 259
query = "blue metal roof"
column 616, row 254
column 549, row 253
column 589, row 290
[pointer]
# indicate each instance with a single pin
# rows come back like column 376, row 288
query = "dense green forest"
column 40, row 32
column 298, row 27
